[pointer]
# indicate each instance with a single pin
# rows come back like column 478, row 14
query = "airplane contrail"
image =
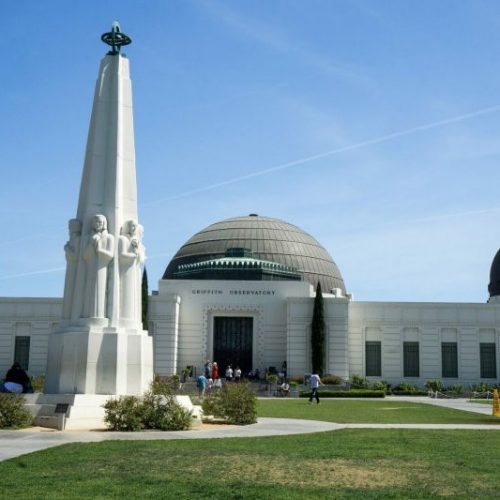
column 32, row 273
column 325, row 154
column 302, row 161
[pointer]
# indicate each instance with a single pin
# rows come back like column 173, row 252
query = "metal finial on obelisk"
column 115, row 38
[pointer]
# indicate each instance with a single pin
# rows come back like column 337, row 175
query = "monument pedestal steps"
column 73, row 412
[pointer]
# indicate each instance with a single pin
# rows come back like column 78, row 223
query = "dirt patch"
column 298, row 472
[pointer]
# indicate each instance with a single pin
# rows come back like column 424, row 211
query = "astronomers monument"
column 100, row 346
column 240, row 291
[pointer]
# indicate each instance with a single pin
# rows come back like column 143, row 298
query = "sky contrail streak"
column 325, row 154
column 32, row 273
column 302, row 161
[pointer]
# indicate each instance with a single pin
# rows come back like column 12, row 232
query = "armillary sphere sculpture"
column 115, row 38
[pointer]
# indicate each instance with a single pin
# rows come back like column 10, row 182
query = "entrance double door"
column 233, row 342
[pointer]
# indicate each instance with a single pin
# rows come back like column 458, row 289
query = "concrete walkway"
column 16, row 443
column 455, row 404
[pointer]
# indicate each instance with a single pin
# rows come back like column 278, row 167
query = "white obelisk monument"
column 101, row 347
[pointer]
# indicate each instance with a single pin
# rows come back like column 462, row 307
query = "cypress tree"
column 144, row 290
column 318, row 334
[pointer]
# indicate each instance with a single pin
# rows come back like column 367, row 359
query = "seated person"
column 284, row 389
column 16, row 380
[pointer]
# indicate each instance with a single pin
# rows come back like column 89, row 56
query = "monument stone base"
column 73, row 412
column 67, row 411
column 105, row 361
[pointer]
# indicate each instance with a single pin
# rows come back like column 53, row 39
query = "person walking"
column 215, row 371
column 314, row 383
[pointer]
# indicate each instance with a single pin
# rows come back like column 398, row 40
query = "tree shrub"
column 235, row 403
column 381, row 385
column 158, row 409
column 481, row 387
column 124, row 414
column 332, row 380
column 145, row 300
column 164, row 413
column 456, row 389
column 12, row 412
column 318, row 333
column 435, row 385
column 359, row 382
column 406, row 389
column 165, row 386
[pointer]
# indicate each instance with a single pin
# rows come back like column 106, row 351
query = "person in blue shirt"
column 201, row 384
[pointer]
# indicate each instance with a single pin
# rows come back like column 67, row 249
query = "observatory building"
column 240, row 292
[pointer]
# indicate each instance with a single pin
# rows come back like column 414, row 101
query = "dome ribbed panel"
column 269, row 239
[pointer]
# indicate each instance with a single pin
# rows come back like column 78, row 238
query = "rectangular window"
column 373, row 359
column 449, row 360
column 22, row 351
column 488, row 360
column 411, row 360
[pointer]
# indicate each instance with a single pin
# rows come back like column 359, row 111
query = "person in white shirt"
column 314, row 383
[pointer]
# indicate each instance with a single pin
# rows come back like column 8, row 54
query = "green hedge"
column 353, row 393
column 395, row 392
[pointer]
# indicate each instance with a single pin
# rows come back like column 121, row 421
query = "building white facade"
column 182, row 316
column 182, row 323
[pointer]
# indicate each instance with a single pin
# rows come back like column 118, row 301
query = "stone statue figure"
column 98, row 252
column 72, row 250
column 131, row 255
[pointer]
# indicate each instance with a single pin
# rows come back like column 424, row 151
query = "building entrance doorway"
column 233, row 343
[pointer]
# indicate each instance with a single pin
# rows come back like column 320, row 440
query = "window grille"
column 449, row 360
column 373, row 359
column 488, row 360
column 411, row 359
column 22, row 351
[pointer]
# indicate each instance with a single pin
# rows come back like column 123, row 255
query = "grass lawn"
column 351, row 463
column 371, row 411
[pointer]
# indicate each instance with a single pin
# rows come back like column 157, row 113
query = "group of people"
column 16, row 380
column 211, row 379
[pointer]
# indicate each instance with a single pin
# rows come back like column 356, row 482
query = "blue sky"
column 372, row 125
